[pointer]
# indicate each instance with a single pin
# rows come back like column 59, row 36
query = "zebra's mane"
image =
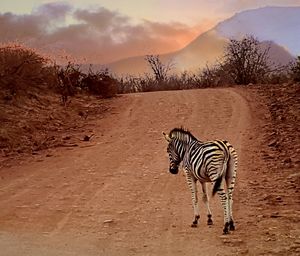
column 181, row 133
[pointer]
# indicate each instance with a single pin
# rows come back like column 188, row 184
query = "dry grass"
column 32, row 90
column 42, row 122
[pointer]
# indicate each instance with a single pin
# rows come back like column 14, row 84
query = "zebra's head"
column 173, row 154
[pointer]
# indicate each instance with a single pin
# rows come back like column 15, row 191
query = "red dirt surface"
column 114, row 195
column 38, row 121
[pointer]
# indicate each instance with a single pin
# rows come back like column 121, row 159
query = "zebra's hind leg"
column 206, row 202
column 230, row 201
column 224, row 201
column 230, row 182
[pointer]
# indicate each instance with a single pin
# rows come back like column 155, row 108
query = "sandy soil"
column 114, row 195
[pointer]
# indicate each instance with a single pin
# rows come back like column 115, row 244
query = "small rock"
column 226, row 240
column 270, row 155
column 88, row 138
column 66, row 137
column 268, row 197
column 273, row 143
column 275, row 215
column 243, row 251
column 108, row 221
column 294, row 175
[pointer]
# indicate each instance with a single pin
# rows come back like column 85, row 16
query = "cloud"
column 31, row 27
column 101, row 18
column 99, row 35
column 55, row 10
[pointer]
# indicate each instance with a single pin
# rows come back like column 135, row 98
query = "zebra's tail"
column 223, row 174
column 217, row 185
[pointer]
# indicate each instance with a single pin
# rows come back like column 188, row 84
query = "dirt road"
column 115, row 195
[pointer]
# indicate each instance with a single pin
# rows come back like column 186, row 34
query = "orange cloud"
column 98, row 35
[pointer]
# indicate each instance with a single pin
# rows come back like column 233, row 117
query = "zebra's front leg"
column 192, row 185
column 206, row 202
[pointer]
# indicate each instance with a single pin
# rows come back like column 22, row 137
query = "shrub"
column 296, row 70
column 100, row 83
column 21, row 68
column 68, row 80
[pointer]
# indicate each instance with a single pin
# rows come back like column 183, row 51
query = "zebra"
column 211, row 161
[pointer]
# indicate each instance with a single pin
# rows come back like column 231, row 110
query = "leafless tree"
column 159, row 69
column 247, row 60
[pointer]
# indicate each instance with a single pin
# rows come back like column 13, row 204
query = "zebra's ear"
column 167, row 137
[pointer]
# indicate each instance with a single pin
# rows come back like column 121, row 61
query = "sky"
column 102, row 31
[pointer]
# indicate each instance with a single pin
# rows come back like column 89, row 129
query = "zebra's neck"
column 182, row 146
column 184, row 139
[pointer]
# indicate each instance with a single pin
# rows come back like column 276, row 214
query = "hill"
column 281, row 28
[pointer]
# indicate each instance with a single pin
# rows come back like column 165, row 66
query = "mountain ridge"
column 281, row 27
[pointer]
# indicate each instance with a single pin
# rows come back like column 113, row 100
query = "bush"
column 68, row 80
column 296, row 70
column 215, row 76
column 100, row 83
column 21, row 68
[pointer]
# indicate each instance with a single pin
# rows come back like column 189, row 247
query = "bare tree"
column 246, row 60
column 159, row 69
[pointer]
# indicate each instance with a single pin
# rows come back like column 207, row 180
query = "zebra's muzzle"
column 174, row 169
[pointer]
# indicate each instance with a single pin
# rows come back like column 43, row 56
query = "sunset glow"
column 105, row 31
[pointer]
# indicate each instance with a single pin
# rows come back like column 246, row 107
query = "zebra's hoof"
column 194, row 225
column 231, row 226
column 210, row 222
column 225, row 230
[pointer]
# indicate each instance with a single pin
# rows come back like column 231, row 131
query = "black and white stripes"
column 212, row 161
